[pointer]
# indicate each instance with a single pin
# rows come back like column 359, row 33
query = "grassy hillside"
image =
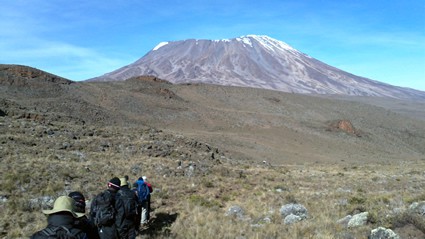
column 208, row 148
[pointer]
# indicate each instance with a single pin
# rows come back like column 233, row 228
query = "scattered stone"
column 3, row 199
column 383, row 233
column 44, row 202
column 418, row 208
column 358, row 220
column 293, row 213
column 261, row 221
column 344, row 221
column 189, row 172
column 414, row 215
column 293, row 208
column 236, row 211
column 291, row 219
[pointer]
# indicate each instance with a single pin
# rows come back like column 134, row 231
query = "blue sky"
column 380, row 40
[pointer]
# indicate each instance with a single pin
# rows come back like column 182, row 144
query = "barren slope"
column 253, row 123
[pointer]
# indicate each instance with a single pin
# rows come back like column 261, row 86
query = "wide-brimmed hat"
column 124, row 182
column 64, row 204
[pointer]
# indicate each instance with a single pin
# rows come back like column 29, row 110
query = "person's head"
column 124, row 182
column 64, row 204
column 144, row 178
column 80, row 201
column 114, row 184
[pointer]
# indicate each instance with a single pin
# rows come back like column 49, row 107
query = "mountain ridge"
column 252, row 61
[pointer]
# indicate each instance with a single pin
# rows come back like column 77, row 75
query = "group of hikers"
column 116, row 213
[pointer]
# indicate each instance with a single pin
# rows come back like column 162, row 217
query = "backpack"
column 142, row 191
column 59, row 232
column 104, row 211
column 130, row 203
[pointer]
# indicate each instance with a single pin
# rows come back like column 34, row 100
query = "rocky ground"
column 208, row 148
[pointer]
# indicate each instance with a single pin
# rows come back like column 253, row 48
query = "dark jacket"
column 126, row 219
column 85, row 225
column 57, row 220
column 110, row 231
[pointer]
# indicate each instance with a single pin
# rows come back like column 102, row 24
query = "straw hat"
column 64, row 204
column 124, row 182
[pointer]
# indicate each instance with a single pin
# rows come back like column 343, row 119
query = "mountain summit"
column 252, row 61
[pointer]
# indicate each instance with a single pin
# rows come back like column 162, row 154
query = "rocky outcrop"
column 343, row 125
column 27, row 76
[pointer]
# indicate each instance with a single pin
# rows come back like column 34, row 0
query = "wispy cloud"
column 30, row 38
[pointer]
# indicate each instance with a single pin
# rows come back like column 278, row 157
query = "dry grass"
column 195, row 206
column 96, row 132
column 329, row 192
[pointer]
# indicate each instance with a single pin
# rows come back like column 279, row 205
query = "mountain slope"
column 252, row 61
column 211, row 148
column 253, row 123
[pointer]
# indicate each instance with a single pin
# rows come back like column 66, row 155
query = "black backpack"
column 129, row 199
column 59, row 232
column 104, row 211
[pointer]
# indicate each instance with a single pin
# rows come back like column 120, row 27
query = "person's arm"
column 120, row 216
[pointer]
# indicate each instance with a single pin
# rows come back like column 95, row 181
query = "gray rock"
column 416, row 215
column 44, row 202
column 358, row 220
column 295, row 209
column 3, row 199
column 383, row 233
column 418, row 208
column 291, row 219
column 344, row 221
column 235, row 211
column 261, row 221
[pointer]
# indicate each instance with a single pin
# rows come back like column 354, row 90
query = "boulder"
column 358, row 220
column 292, row 213
column 295, row 209
column 418, row 208
column 383, row 233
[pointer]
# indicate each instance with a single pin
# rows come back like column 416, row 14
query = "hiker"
column 139, row 207
column 105, row 210
column 143, row 193
column 127, row 224
column 60, row 221
column 83, row 222
column 148, row 202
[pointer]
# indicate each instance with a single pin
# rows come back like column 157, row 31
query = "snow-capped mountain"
column 252, row 61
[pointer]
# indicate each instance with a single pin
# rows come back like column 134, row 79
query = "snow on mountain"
column 252, row 61
column 159, row 46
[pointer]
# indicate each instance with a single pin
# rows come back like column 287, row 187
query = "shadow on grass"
column 159, row 225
